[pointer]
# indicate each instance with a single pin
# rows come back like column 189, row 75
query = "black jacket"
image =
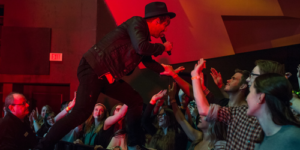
column 15, row 134
column 121, row 50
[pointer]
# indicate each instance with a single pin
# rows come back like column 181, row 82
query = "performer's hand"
column 168, row 46
column 198, row 67
column 179, row 69
column 217, row 77
column 169, row 71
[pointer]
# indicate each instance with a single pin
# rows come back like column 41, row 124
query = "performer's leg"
column 88, row 91
column 122, row 91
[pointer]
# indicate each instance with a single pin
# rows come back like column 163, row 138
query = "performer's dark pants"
column 87, row 94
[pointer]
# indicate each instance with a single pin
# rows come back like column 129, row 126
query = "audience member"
column 242, row 131
column 15, row 131
column 210, row 132
column 115, row 128
column 48, row 123
column 93, row 125
column 168, row 135
column 269, row 102
column 45, row 127
column 75, row 133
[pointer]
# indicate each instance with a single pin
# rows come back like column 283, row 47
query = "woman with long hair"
column 114, row 128
column 45, row 114
column 269, row 101
column 93, row 125
column 168, row 135
column 210, row 132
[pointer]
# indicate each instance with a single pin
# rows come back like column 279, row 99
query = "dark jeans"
column 87, row 94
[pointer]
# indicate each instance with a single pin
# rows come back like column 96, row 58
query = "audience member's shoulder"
column 292, row 130
column 291, row 135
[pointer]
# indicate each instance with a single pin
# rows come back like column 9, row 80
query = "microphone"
column 163, row 39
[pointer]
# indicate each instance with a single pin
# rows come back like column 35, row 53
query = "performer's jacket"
column 121, row 50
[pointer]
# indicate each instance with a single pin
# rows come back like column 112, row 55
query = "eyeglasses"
column 24, row 104
column 161, row 115
column 253, row 74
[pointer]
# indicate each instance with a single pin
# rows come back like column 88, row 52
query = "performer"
column 102, row 67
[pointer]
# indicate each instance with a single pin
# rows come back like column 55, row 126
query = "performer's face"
column 161, row 27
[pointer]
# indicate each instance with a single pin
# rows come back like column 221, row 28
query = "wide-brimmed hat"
column 155, row 9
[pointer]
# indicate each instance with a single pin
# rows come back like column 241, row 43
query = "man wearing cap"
column 104, row 64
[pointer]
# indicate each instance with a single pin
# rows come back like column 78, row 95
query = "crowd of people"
column 259, row 110
column 255, row 113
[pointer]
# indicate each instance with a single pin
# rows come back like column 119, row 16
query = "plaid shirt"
column 242, row 130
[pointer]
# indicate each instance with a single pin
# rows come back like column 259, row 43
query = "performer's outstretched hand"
column 169, row 71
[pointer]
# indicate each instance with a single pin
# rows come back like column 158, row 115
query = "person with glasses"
column 268, row 66
column 239, row 123
column 167, row 135
column 15, row 131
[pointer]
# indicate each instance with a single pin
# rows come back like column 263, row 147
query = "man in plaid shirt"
column 242, row 130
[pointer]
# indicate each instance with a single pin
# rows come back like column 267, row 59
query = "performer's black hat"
column 155, row 9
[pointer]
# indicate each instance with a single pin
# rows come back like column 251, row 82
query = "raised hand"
column 34, row 115
column 198, row 67
column 179, row 69
column 217, row 77
column 159, row 95
column 169, row 71
column 72, row 103
column 172, row 91
column 37, row 112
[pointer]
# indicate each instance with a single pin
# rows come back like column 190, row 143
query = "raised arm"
column 192, row 133
column 111, row 120
column 217, row 77
column 146, row 121
column 35, row 123
column 64, row 112
column 185, row 86
column 200, row 99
